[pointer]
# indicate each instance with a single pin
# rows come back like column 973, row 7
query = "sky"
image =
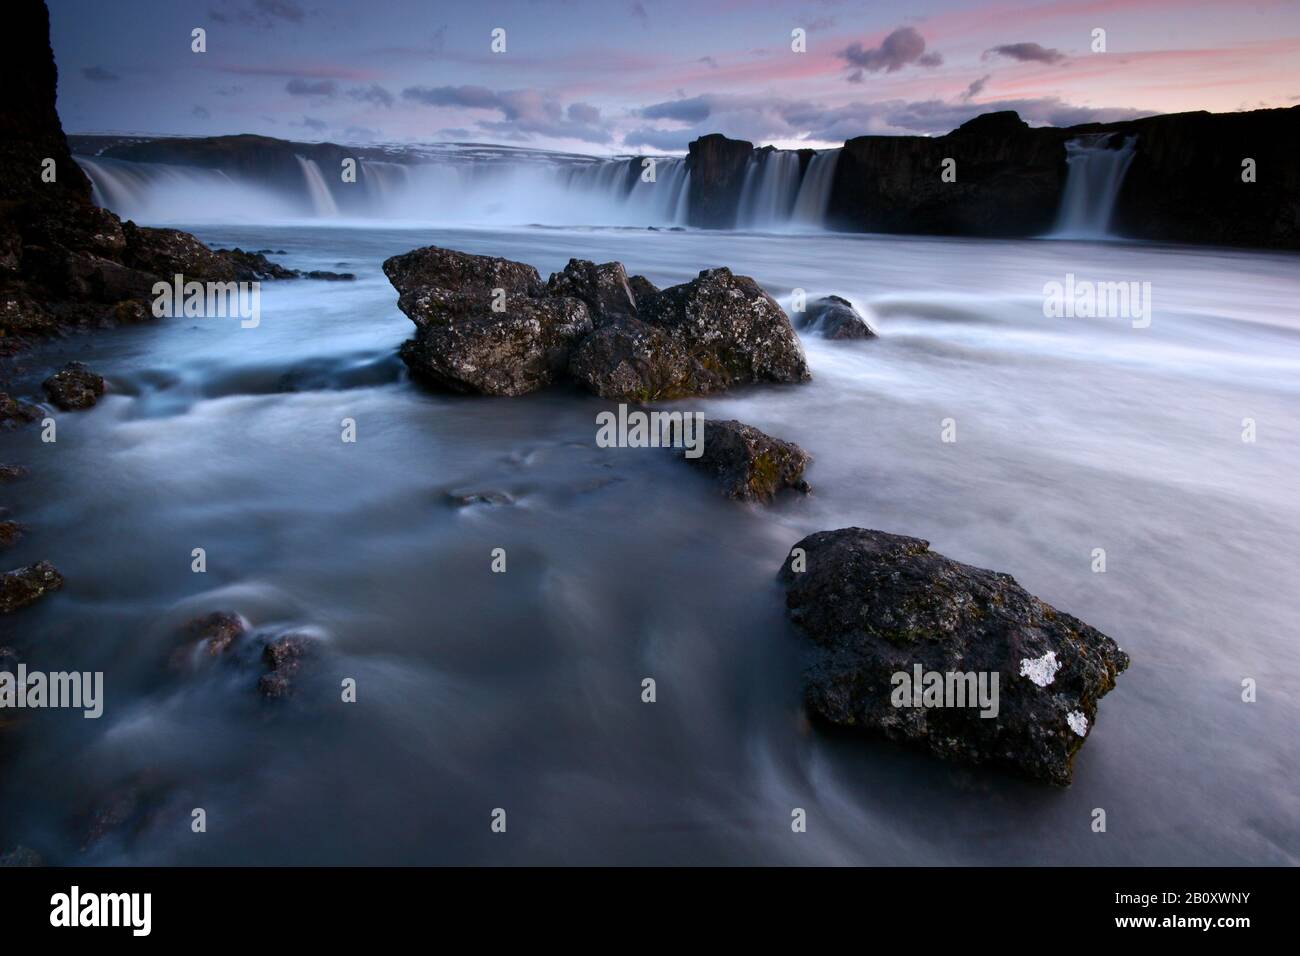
column 647, row 76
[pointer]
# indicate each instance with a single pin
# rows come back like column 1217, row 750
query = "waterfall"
column 1092, row 183
column 535, row 189
column 768, row 193
column 322, row 199
column 815, row 191
column 158, row 192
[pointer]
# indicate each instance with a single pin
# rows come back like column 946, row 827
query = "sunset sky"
column 621, row 76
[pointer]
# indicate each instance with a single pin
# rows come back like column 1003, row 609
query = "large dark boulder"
column 876, row 605
column 748, row 464
column 436, row 285
column 701, row 337
column 525, row 348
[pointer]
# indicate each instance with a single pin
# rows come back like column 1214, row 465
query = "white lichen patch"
column 1040, row 670
column 1078, row 723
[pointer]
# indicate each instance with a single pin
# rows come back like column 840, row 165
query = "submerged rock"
column 877, row 605
column 23, row 586
column 15, row 413
column 704, row 336
column 604, row 288
column 216, row 632
column 750, row 465
column 834, row 318
column 283, row 658
column 512, row 353
column 74, row 387
column 12, row 472
column 11, row 532
column 21, row 856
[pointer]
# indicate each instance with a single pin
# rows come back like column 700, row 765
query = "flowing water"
column 522, row 690
column 1095, row 173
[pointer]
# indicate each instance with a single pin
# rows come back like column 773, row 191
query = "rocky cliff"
column 1184, row 183
column 64, row 262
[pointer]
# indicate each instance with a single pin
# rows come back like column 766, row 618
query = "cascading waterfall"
column 322, row 200
column 769, row 191
column 158, row 192
column 595, row 192
column 1092, row 183
column 814, row 196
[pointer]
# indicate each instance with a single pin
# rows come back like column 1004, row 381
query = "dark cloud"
column 764, row 119
column 97, row 74
column 901, row 48
column 693, row 110
column 260, row 13
column 639, row 11
column 525, row 112
column 709, row 60
column 1026, row 53
column 200, row 112
column 373, row 94
column 314, row 124
column 300, row 87
column 584, row 113
column 976, row 88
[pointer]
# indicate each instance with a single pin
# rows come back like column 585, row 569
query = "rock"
column 23, row 586
column 74, row 387
column 254, row 266
column 641, row 287
column 463, row 499
column 834, row 318
column 717, row 167
column 328, row 276
column 21, row 856
column 216, row 632
column 12, row 472
column 875, row 605
column 283, row 658
column 704, row 336
column 11, row 532
column 15, row 413
column 510, row 353
column 604, row 288
column 749, row 465
column 435, row 285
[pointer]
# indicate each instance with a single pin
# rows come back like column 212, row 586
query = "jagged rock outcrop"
column 748, row 464
column 489, row 326
column 705, row 336
column 883, row 613
column 64, row 262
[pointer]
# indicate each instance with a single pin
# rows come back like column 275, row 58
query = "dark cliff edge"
column 65, row 263
column 1184, row 183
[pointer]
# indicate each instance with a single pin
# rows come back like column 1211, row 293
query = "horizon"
column 575, row 77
